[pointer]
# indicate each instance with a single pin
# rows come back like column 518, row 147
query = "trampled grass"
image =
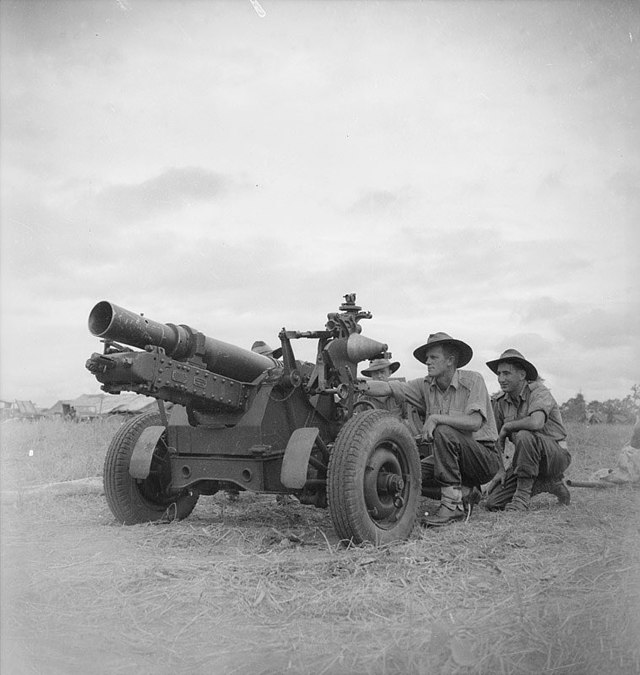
column 253, row 586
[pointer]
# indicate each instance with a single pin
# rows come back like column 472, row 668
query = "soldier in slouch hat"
column 457, row 420
column 529, row 416
column 381, row 370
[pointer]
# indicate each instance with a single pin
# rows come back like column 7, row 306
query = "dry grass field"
column 256, row 587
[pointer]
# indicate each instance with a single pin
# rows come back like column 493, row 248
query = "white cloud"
column 173, row 189
column 462, row 167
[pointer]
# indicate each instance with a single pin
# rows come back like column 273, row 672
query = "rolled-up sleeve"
column 409, row 392
column 478, row 400
column 541, row 400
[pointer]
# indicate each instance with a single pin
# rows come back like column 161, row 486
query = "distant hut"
column 595, row 418
column 26, row 410
column 92, row 406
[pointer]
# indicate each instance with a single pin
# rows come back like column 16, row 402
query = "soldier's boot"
column 450, row 510
column 522, row 496
column 555, row 487
column 561, row 491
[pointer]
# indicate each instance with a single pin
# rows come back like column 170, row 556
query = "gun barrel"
column 111, row 322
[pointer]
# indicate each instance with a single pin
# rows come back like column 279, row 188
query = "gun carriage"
column 245, row 421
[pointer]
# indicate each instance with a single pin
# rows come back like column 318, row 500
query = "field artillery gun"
column 246, row 421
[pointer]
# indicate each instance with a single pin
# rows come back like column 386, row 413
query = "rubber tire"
column 135, row 501
column 362, row 439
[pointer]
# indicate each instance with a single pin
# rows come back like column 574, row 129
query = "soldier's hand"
column 498, row 478
column 428, row 429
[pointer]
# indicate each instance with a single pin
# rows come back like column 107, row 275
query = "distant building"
column 90, row 406
column 595, row 418
column 23, row 410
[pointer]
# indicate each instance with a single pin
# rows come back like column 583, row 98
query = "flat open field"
column 255, row 587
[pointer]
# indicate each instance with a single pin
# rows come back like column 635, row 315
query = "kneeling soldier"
column 457, row 420
column 529, row 416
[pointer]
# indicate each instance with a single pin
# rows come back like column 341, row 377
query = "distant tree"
column 611, row 411
column 630, row 404
column 574, row 410
column 596, row 413
column 595, row 407
column 615, row 410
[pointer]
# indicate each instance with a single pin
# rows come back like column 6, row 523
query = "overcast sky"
column 467, row 167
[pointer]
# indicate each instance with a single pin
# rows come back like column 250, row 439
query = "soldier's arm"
column 402, row 391
column 475, row 409
column 471, row 422
column 533, row 422
column 540, row 404
column 376, row 388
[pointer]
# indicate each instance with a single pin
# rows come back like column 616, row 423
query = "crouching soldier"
column 529, row 416
column 457, row 421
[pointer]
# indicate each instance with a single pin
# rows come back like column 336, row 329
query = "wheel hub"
column 384, row 484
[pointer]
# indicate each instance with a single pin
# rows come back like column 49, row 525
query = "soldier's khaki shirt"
column 534, row 397
column 466, row 394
